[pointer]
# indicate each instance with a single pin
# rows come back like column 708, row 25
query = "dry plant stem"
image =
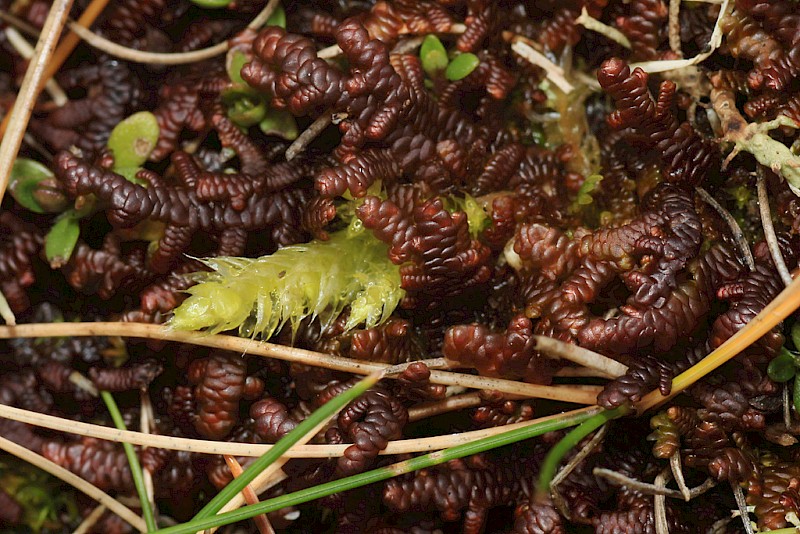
column 741, row 502
column 660, row 503
column 580, row 372
column 61, row 54
column 250, row 497
column 776, row 311
column 787, row 407
column 246, row 449
column 146, row 419
column 677, row 473
column 154, row 58
column 26, row 98
column 24, row 48
column 665, row 65
column 450, row 404
column 20, row 24
column 554, row 73
column 595, row 25
column 674, row 26
column 308, row 135
column 769, row 230
column 736, row 230
column 570, row 466
column 74, row 480
column 5, row 311
column 90, row 520
column 593, row 360
column 575, row 394
column 619, row 479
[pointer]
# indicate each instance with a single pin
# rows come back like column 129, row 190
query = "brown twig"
column 736, row 230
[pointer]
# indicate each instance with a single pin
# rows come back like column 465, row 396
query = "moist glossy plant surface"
column 412, row 180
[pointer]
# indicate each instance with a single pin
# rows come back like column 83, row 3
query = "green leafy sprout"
column 435, row 60
column 46, row 505
column 317, row 279
column 786, row 365
column 131, row 142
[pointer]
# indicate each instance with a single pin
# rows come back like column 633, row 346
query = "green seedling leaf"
column 461, row 66
column 796, row 395
column 783, row 366
column 589, row 186
column 796, row 335
column 322, row 414
column 34, row 187
column 278, row 17
column 236, row 61
column 133, row 139
column 281, row 123
column 433, row 55
column 130, row 174
column 212, row 4
column 61, row 239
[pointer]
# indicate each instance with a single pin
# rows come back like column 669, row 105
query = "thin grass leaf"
column 568, row 442
column 324, row 412
column 133, row 461
column 384, row 473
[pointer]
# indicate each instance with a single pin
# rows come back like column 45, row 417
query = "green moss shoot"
column 319, row 280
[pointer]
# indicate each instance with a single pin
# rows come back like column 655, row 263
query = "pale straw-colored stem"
column 248, row 449
column 158, row 58
column 73, row 480
column 94, row 516
column 26, row 97
column 574, row 394
column 593, row 360
column 769, row 229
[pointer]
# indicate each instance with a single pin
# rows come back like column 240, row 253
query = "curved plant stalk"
column 157, row 58
column 60, row 55
column 133, row 462
column 403, row 446
column 574, row 394
column 537, row 428
column 73, row 480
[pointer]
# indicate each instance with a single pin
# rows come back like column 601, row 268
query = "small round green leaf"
column 461, row 66
column 281, row 123
column 235, row 61
column 133, row 139
column 27, row 176
column 61, row 239
column 796, row 335
column 212, row 4
column 782, row 367
column 433, row 55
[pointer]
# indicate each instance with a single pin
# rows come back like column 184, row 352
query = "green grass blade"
column 383, row 473
column 568, row 442
column 324, row 412
column 133, row 461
